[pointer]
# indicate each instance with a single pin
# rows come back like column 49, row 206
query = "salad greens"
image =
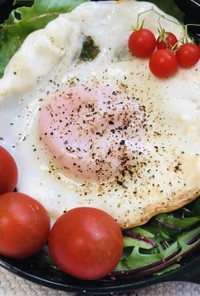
column 29, row 15
column 157, row 246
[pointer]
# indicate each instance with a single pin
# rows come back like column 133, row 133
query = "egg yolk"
column 93, row 133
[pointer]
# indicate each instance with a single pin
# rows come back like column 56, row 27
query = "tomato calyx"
column 166, row 40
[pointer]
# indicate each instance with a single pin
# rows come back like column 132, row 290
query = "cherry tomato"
column 167, row 40
column 86, row 243
column 8, row 171
column 142, row 43
column 188, row 55
column 163, row 63
column 24, row 225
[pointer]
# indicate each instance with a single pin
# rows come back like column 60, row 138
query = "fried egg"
column 104, row 132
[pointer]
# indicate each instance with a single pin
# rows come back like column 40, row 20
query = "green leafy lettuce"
column 158, row 246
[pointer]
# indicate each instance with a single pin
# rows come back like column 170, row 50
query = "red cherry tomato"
column 188, row 55
column 24, row 225
column 86, row 243
column 8, row 171
column 163, row 63
column 167, row 40
column 142, row 43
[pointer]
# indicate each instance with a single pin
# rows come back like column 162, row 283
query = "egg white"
column 166, row 173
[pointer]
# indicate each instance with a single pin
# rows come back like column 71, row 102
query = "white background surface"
column 12, row 285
